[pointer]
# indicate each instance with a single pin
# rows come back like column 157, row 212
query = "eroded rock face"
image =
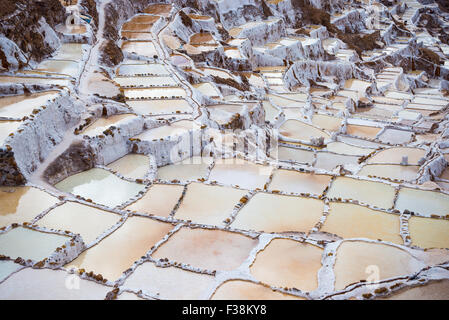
column 10, row 174
column 31, row 29
column 111, row 54
column 77, row 158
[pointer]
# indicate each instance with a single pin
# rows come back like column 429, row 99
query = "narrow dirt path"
column 166, row 60
column 91, row 64
column 81, row 90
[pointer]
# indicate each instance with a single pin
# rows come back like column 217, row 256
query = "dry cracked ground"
column 224, row 149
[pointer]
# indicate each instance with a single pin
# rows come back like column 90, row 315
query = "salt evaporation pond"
column 73, row 216
column 20, row 106
column 91, row 184
column 30, row 244
column 190, row 169
column 23, row 204
column 149, row 107
column 133, row 166
column 101, row 124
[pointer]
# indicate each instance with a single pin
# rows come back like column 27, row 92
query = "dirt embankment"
column 244, row 86
column 78, row 157
column 20, row 23
column 111, row 54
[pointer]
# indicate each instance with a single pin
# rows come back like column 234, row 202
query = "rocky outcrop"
column 77, row 158
column 9, row 172
column 29, row 24
column 111, row 54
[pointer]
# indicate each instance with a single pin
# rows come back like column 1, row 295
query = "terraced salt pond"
column 101, row 124
column 91, row 184
column 6, row 268
column 270, row 112
column 326, row 122
column 217, row 73
column 140, row 48
column 369, row 192
column 207, row 249
column 354, row 259
column 354, row 221
column 145, row 81
column 207, row 204
column 132, row 35
column 240, row 173
column 395, row 156
column 425, row 203
column 295, row 155
column 394, row 136
column 298, row 130
column 149, row 107
column 330, row 161
column 297, row 263
column 207, row 89
column 155, row 93
column 362, row 131
column 22, row 105
column 233, row 53
column 70, row 51
column 46, row 284
column 72, row 29
column 30, row 244
column 159, row 200
column 255, row 80
column 245, row 290
column 190, row 285
column 359, row 142
column 117, row 252
column 190, row 169
column 64, row 67
column 180, row 60
column 58, row 80
column 344, row 148
column 102, row 86
column 224, row 113
column 142, row 68
column 133, row 166
column 202, row 38
column 429, row 233
column 290, row 181
column 399, row 172
column 262, row 214
column 73, row 216
column 138, row 20
column 160, row 9
column 435, row 290
column 163, row 132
